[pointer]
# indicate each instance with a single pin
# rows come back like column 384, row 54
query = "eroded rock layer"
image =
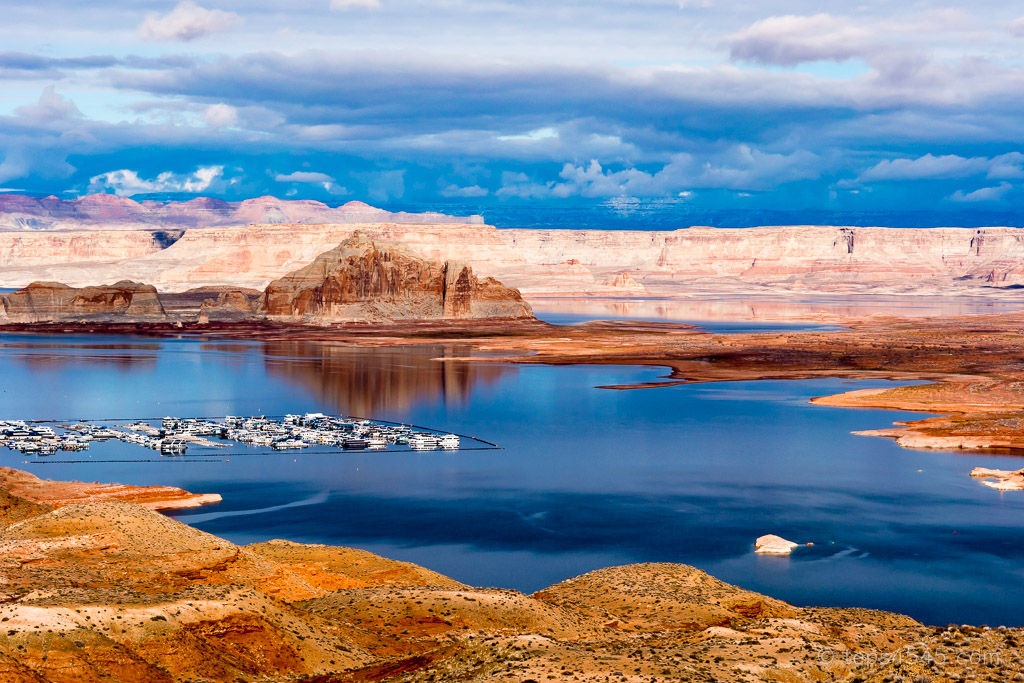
column 56, row 302
column 113, row 592
column 594, row 262
column 362, row 279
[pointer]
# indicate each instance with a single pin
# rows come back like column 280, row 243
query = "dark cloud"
column 749, row 105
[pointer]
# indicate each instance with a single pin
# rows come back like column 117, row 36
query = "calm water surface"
column 588, row 477
column 754, row 313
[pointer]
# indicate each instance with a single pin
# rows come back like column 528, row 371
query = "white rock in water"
column 775, row 545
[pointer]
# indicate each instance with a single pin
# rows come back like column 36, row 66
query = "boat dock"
column 176, row 435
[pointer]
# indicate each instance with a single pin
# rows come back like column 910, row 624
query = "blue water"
column 588, row 477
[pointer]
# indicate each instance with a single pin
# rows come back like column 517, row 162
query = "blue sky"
column 767, row 104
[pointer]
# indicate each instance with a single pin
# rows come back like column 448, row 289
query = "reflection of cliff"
column 380, row 381
column 61, row 356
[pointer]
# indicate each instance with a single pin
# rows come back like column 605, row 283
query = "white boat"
column 423, row 442
column 449, row 441
column 173, row 446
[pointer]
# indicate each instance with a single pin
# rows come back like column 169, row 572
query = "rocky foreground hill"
column 113, row 591
column 180, row 246
column 360, row 280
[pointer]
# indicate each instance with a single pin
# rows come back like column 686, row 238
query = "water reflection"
column 380, row 381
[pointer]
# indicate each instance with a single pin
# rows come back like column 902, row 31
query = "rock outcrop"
column 230, row 305
column 625, row 282
column 774, row 545
column 57, row 494
column 363, row 279
column 1000, row 480
column 56, row 302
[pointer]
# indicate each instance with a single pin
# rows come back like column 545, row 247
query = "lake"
column 587, row 477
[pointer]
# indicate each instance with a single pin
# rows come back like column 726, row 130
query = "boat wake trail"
column 210, row 516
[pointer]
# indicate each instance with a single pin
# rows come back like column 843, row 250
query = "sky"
column 764, row 104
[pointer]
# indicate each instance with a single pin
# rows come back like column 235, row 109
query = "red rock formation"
column 366, row 280
column 56, row 302
column 457, row 294
column 229, row 305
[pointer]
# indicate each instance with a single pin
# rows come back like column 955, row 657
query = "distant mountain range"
column 110, row 212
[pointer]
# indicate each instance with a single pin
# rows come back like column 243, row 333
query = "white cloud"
column 220, row 116
column 926, row 167
column 126, row 183
column 312, row 178
column 187, row 21
column 538, row 135
column 1007, row 166
column 738, row 168
column 471, row 191
column 354, row 4
column 931, row 167
column 985, row 194
column 304, row 177
column 1017, row 27
column 792, row 39
column 51, row 107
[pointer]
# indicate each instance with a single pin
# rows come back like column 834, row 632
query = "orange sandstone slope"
column 59, row 493
column 112, row 591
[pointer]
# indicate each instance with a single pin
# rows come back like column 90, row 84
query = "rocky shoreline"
column 97, row 590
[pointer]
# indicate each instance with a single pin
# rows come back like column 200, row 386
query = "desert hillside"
column 113, row 591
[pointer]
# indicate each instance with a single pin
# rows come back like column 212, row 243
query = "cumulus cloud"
column 354, row 4
column 792, row 39
column 304, row 177
column 738, row 168
column 220, row 115
column 126, row 183
column 187, row 21
column 985, row 194
column 927, row 166
column 454, row 191
column 323, row 180
column 947, row 166
column 51, row 107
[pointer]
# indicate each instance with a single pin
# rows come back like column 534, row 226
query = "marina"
column 175, row 436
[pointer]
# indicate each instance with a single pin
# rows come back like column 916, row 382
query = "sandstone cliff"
column 56, row 302
column 569, row 262
column 207, row 243
column 363, row 279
